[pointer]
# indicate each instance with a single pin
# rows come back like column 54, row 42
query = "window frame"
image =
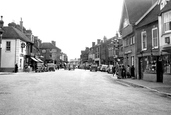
column 167, row 22
column 154, row 47
column 142, row 41
column 8, row 48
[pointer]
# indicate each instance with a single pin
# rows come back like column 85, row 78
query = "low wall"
column 150, row 77
column 6, row 69
column 167, row 79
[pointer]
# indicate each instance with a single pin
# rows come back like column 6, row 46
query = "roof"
column 48, row 45
column 13, row 33
column 166, row 8
column 150, row 16
column 134, row 9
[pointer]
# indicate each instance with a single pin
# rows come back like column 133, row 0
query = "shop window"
column 167, row 64
column 151, row 64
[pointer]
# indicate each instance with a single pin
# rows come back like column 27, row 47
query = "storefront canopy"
column 39, row 60
column 34, row 59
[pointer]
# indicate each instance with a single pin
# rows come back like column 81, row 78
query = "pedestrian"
column 128, row 73
column 123, row 72
column 113, row 70
column 16, row 68
column 133, row 71
column 119, row 72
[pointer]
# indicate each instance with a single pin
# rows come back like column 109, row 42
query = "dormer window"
column 126, row 23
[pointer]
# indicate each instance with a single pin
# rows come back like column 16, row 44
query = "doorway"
column 159, row 70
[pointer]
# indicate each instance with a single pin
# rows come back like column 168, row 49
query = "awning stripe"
column 39, row 60
column 34, row 59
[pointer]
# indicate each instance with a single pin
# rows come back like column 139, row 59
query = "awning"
column 34, row 59
column 39, row 60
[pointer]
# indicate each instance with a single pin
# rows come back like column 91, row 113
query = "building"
column 131, row 12
column 147, row 37
column 50, row 52
column 14, row 49
column 164, row 19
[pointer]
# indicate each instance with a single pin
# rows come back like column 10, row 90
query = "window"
column 154, row 38
column 133, row 40
column 144, row 40
column 8, row 46
column 167, row 22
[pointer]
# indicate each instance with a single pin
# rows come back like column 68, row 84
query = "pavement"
column 161, row 88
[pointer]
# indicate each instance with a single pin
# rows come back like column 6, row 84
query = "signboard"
column 23, row 45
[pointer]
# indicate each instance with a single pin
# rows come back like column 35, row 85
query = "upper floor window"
column 8, row 46
column 144, row 40
column 154, row 38
column 133, row 40
column 167, row 22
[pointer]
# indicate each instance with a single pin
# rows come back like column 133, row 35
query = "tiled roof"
column 136, row 8
column 13, row 33
column 48, row 45
column 166, row 8
column 133, row 10
column 152, row 16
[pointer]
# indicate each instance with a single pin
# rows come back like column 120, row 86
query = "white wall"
column 9, row 58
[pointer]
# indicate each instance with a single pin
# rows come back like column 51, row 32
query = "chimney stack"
column 98, row 41
column 93, row 44
column 54, row 43
column 21, row 25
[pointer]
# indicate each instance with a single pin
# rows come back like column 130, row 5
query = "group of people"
column 123, row 72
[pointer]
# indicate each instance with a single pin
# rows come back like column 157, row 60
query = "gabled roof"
column 48, row 45
column 134, row 9
column 149, row 17
column 13, row 33
column 148, row 11
column 166, row 8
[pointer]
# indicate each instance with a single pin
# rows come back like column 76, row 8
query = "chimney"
column 54, row 43
column 21, row 25
column 104, row 39
column 98, row 41
column 93, row 44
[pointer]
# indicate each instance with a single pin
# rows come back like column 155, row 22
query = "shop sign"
column 21, row 55
column 23, row 45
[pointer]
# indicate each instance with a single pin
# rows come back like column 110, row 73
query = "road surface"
column 78, row 92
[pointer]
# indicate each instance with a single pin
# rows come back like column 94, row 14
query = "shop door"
column 159, row 70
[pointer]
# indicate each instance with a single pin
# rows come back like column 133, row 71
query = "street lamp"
column 1, row 32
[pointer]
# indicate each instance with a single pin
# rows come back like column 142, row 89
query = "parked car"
column 93, row 67
column 71, row 67
column 50, row 66
column 103, row 68
column 109, row 69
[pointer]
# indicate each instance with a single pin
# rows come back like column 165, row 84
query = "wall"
column 8, row 58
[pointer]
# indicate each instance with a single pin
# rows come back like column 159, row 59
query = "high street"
column 78, row 92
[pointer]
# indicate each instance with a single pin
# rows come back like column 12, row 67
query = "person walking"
column 113, row 70
column 16, row 68
column 128, row 73
column 123, row 73
column 132, row 71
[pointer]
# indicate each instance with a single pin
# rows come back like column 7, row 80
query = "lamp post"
column 1, row 32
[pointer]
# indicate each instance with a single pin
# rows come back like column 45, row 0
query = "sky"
column 73, row 24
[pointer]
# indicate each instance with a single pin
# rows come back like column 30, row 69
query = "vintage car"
column 93, row 67
column 50, row 66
